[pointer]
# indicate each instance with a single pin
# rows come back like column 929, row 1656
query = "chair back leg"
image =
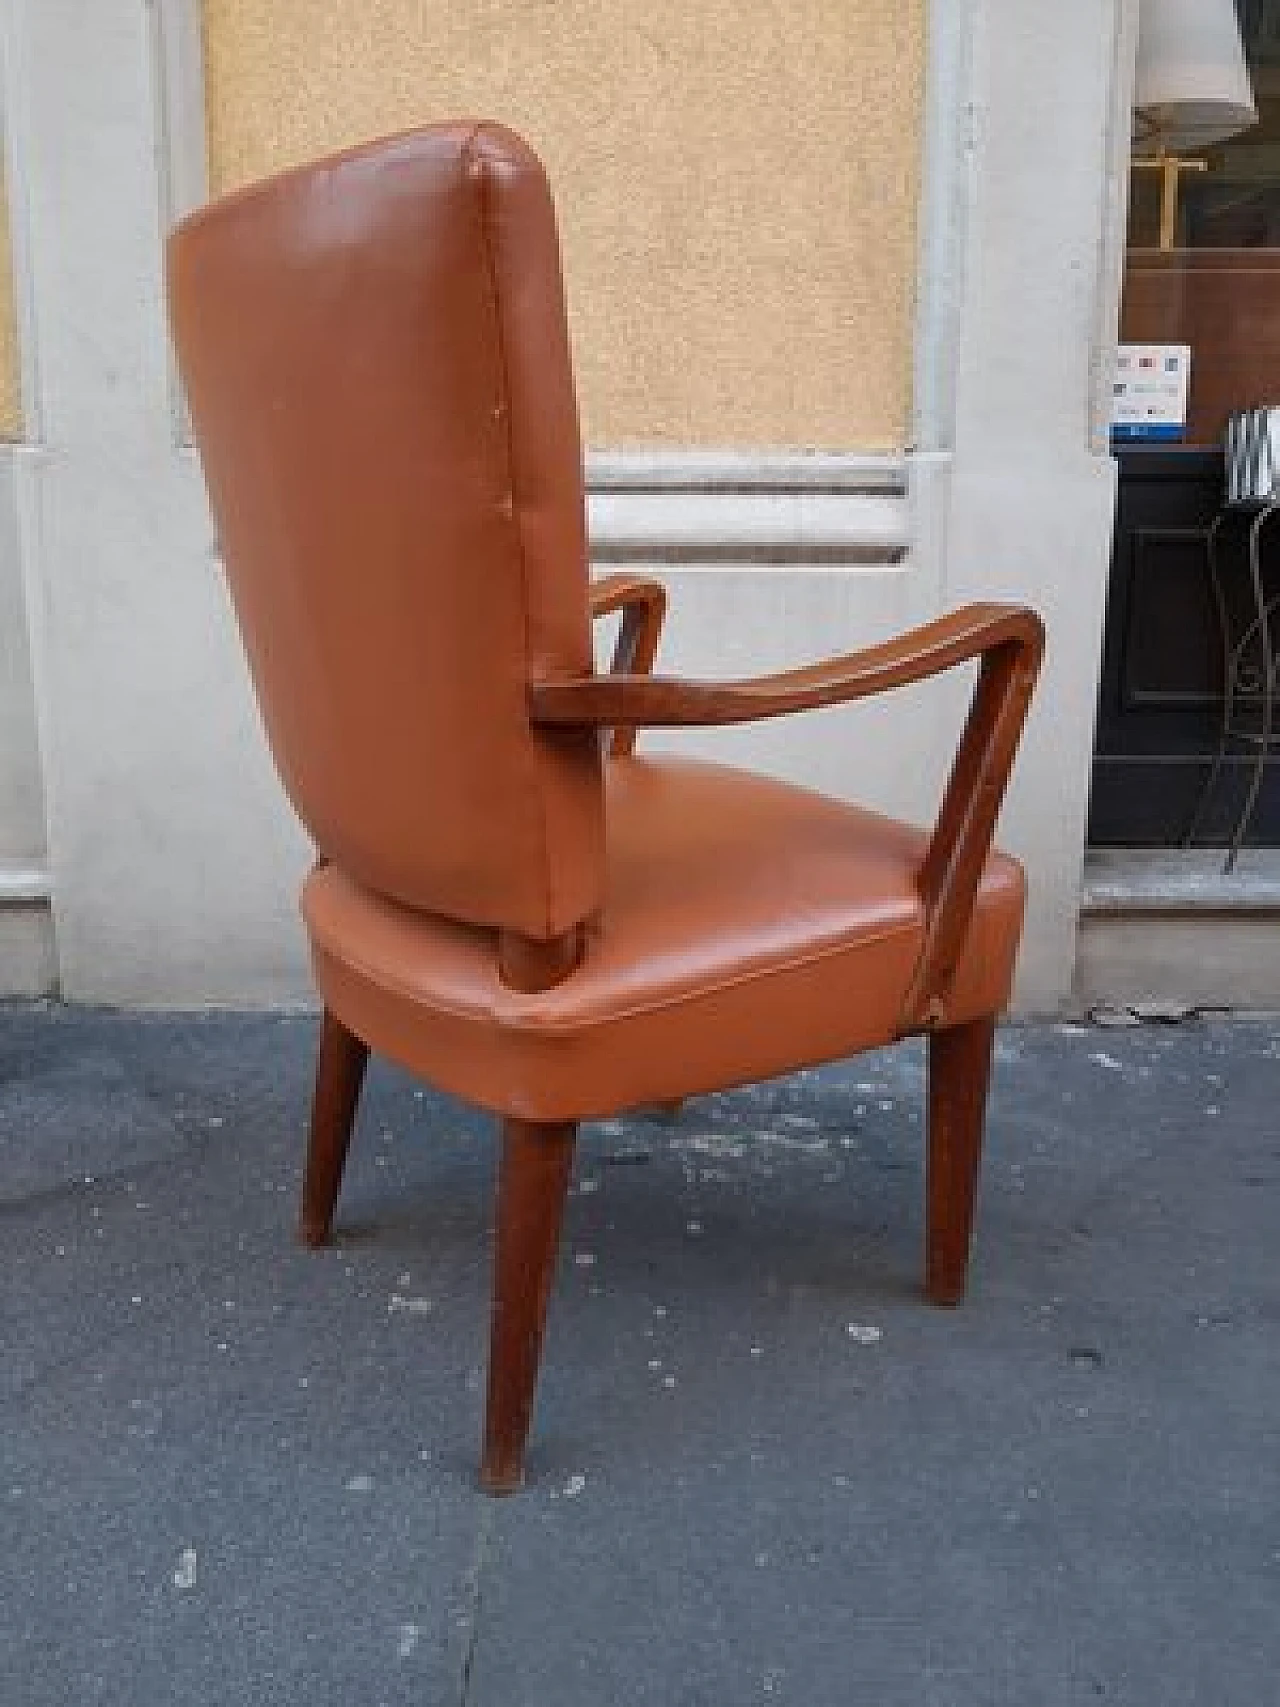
column 339, row 1075
column 533, row 1180
column 959, row 1073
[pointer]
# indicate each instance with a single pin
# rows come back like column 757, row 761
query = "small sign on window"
column 1150, row 392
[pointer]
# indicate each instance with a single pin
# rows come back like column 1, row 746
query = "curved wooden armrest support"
column 962, row 834
column 664, row 701
column 643, row 604
column 1009, row 640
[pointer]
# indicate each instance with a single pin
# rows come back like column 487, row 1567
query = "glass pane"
column 1211, row 279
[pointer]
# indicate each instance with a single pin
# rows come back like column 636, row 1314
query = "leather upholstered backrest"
column 376, row 359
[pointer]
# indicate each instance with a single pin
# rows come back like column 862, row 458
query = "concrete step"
column 1168, row 924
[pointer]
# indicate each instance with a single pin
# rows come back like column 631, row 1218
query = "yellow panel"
column 10, row 393
column 736, row 182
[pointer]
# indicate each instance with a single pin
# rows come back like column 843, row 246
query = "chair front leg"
column 959, row 1073
column 339, row 1075
column 533, row 1181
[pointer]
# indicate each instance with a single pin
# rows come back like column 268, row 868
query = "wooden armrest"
column 663, row 701
column 643, row 604
column 1009, row 640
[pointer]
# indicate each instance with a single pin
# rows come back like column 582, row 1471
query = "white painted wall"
column 21, row 798
column 27, row 964
column 1032, row 486
column 174, row 860
column 27, row 960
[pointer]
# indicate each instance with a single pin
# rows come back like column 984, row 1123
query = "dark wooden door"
column 1160, row 697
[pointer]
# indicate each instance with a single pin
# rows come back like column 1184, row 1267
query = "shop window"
column 1204, row 220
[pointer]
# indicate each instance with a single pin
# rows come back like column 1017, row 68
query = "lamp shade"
column 1192, row 86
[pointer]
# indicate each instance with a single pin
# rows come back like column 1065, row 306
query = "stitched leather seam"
column 478, row 171
column 530, row 1025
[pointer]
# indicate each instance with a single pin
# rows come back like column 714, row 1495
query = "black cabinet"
column 1160, row 697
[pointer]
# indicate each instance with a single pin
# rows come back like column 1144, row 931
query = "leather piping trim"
column 530, row 1024
column 477, row 168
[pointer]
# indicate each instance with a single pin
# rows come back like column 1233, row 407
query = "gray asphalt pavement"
column 763, row 1471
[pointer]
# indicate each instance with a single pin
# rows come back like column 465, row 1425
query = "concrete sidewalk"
column 234, row 1472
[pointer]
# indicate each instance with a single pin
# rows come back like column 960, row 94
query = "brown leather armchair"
column 508, row 901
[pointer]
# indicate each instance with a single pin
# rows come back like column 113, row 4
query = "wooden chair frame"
column 536, row 1158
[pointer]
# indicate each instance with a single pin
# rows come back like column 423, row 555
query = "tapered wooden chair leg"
column 959, row 1073
column 533, row 1181
column 339, row 1076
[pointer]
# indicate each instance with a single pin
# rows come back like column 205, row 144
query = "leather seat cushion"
column 749, row 928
